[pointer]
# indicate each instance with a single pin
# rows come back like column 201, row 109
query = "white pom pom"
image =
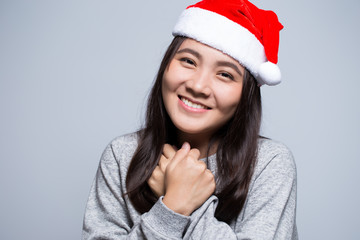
column 269, row 73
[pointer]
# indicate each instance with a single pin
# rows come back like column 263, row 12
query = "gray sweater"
column 269, row 212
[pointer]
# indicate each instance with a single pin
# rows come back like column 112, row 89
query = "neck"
column 201, row 142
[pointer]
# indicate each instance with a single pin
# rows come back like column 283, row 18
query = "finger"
column 179, row 155
column 202, row 165
column 210, row 173
column 194, row 153
column 163, row 162
column 156, row 174
column 211, row 178
column 169, row 151
column 186, row 146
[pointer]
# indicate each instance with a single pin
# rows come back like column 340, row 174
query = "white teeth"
column 191, row 104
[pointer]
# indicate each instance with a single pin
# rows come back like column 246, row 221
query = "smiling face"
column 201, row 88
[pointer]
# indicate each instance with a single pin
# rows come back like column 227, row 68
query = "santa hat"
column 238, row 28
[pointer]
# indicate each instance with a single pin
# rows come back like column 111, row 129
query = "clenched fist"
column 188, row 182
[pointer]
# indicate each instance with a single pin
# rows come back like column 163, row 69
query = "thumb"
column 179, row 155
column 185, row 146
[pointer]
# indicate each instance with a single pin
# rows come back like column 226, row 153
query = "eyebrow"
column 231, row 65
column 191, row 51
column 219, row 63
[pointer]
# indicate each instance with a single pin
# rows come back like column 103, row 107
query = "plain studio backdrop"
column 74, row 74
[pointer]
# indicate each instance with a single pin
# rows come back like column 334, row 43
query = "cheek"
column 170, row 80
column 173, row 79
column 170, row 86
column 168, row 89
column 229, row 98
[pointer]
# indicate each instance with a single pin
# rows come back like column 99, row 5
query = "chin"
column 192, row 130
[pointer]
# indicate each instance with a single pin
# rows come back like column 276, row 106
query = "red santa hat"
column 238, row 28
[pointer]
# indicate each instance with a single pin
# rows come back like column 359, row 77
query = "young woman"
column 199, row 169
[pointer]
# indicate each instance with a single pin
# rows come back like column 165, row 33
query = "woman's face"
column 201, row 88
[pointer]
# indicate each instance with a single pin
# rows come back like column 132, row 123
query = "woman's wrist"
column 177, row 206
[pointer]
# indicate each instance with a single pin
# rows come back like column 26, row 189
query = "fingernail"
column 185, row 145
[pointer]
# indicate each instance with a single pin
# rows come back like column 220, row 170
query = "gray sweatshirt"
column 269, row 211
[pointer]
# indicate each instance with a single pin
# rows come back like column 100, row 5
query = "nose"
column 199, row 84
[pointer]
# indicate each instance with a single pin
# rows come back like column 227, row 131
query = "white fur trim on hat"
column 229, row 37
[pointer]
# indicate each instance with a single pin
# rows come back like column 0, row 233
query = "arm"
column 189, row 185
column 269, row 212
column 109, row 215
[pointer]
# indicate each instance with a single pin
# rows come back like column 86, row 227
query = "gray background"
column 75, row 74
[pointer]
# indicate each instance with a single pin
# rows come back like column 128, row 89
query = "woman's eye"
column 227, row 75
column 188, row 61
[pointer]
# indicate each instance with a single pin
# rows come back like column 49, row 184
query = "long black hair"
column 236, row 153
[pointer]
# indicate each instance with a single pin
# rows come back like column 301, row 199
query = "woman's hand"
column 157, row 179
column 188, row 182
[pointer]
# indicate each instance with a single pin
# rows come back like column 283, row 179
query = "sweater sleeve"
column 108, row 214
column 269, row 212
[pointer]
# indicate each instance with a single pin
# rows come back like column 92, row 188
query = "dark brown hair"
column 236, row 153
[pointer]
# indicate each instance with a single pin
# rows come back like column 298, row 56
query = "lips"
column 192, row 104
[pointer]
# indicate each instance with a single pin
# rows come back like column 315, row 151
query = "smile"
column 191, row 104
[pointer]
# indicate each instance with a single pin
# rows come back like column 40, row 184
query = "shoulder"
column 122, row 148
column 275, row 155
column 125, row 143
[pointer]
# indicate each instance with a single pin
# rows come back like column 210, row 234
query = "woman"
column 198, row 169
